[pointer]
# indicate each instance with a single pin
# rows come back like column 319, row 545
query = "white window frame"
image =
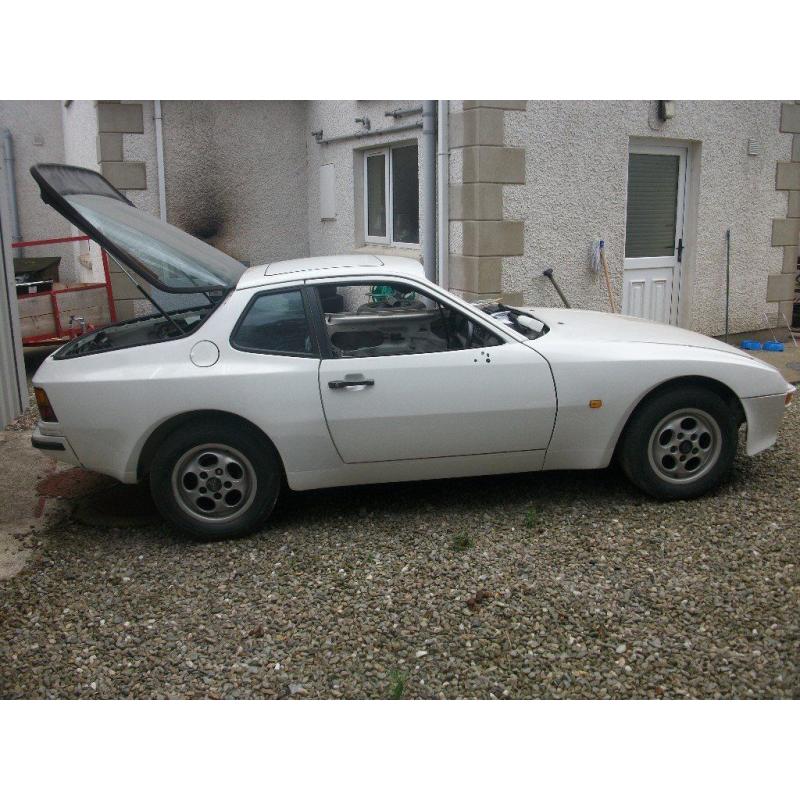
column 386, row 152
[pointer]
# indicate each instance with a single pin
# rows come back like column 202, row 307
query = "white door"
column 407, row 376
column 431, row 405
column 654, row 238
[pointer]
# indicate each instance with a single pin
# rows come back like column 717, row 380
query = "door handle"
column 345, row 384
column 680, row 250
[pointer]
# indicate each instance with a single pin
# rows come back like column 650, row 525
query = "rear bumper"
column 56, row 446
column 764, row 415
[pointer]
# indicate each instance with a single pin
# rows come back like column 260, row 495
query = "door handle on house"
column 346, row 383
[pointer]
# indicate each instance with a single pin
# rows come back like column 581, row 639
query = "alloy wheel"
column 684, row 445
column 214, row 483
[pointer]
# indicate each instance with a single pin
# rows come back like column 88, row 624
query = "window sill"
column 414, row 251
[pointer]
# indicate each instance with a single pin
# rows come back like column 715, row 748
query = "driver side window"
column 394, row 319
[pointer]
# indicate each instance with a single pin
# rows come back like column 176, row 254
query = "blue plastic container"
column 774, row 347
column 750, row 344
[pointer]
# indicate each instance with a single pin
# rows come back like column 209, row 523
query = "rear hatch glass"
column 165, row 256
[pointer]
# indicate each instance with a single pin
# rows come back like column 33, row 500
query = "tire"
column 680, row 444
column 215, row 481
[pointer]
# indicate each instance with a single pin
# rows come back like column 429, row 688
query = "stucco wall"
column 79, row 120
column 236, row 175
column 575, row 191
column 336, row 118
column 36, row 129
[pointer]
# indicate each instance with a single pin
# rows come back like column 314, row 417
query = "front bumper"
column 764, row 415
column 56, row 446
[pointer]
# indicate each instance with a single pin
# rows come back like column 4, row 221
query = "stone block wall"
column 786, row 231
column 480, row 235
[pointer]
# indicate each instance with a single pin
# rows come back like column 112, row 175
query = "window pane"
column 652, row 205
column 277, row 323
column 405, row 194
column 376, row 195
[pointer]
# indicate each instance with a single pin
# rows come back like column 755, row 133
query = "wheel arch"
column 684, row 381
column 168, row 426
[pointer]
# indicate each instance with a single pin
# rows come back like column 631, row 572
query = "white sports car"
column 356, row 369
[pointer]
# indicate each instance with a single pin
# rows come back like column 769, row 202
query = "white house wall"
column 245, row 177
column 337, row 118
column 79, row 122
column 236, row 175
column 575, row 192
column 37, row 137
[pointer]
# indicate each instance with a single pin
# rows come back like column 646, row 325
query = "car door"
column 390, row 391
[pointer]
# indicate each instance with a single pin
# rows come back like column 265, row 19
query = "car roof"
column 349, row 265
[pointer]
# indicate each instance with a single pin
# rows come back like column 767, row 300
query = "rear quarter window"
column 276, row 322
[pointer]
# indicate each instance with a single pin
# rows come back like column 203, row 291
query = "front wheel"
column 680, row 444
column 215, row 481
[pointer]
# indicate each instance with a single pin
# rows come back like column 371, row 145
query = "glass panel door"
column 654, row 245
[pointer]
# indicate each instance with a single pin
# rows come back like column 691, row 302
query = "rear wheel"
column 215, row 481
column 680, row 444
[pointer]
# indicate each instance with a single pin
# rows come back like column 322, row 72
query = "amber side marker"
column 788, row 399
column 45, row 409
column 595, row 403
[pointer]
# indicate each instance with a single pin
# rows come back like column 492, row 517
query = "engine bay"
column 135, row 332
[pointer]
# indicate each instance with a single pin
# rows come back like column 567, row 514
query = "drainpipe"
column 443, row 194
column 162, row 186
column 429, row 187
column 11, row 185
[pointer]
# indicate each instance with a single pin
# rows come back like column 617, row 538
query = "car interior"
column 393, row 319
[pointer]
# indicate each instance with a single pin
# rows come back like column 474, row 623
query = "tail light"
column 43, row 402
column 789, row 397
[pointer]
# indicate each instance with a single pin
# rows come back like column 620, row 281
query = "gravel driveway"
column 548, row 585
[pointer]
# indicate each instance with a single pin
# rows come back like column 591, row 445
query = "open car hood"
column 165, row 256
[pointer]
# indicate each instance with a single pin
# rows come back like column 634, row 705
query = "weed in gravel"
column 463, row 541
column 477, row 598
column 531, row 515
column 398, row 687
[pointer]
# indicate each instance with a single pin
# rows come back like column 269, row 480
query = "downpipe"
column 11, row 184
column 162, row 186
column 429, row 187
column 443, row 194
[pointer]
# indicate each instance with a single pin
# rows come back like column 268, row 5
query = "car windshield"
column 165, row 256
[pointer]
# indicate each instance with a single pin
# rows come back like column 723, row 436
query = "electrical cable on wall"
column 598, row 263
